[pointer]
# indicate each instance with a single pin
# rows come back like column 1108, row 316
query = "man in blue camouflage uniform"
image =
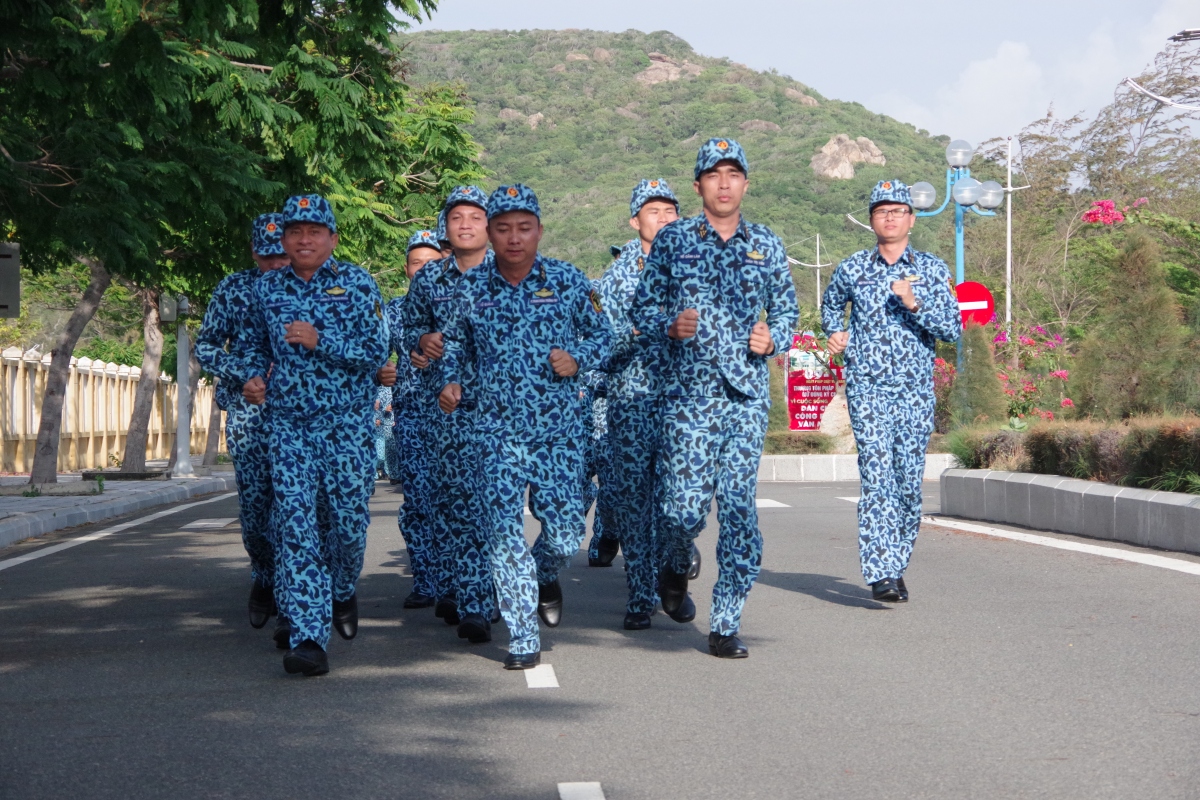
column 382, row 419
column 634, row 420
column 245, row 428
column 416, row 516
column 593, row 396
column 466, row 593
column 318, row 324
column 529, row 325
column 902, row 301
column 707, row 281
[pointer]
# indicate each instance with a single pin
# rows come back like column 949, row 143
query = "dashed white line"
column 541, row 677
column 214, row 523
column 849, row 499
column 763, row 502
column 91, row 537
column 580, row 791
column 1147, row 559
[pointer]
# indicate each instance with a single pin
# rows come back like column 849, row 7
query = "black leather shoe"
column 475, row 629
column 447, row 611
column 550, row 603
column 885, row 591
column 901, row 590
column 637, row 622
column 672, row 590
column 283, row 633
column 727, row 646
column 694, row 567
column 606, row 551
column 307, row 659
column 522, row 660
column 495, row 618
column 686, row 611
column 418, row 600
column 262, row 604
column 345, row 617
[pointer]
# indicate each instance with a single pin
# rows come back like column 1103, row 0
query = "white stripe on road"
column 972, row 305
column 580, row 791
column 212, row 523
column 1162, row 562
column 91, row 537
column 762, row 502
column 850, row 499
column 541, row 677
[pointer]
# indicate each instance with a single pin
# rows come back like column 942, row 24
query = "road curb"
column 1166, row 520
column 834, row 467
column 24, row 526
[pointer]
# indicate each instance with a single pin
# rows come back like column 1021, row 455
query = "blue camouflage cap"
column 647, row 190
column 423, row 239
column 716, row 150
column 466, row 194
column 267, row 235
column 891, row 192
column 442, row 236
column 517, row 197
column 309, row 208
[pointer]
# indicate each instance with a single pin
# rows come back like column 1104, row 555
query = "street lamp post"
column 183, row 390
column 967, row 193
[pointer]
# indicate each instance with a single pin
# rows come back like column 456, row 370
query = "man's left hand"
column 563, row 363
column 903, row 290
column 301, row 333
column 760, row 340
column 386, row 375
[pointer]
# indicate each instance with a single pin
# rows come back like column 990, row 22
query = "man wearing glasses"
column 902, row 301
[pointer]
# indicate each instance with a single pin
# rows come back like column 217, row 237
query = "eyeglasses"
column 890, row 213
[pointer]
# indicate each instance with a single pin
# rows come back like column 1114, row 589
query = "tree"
column 1127, row 364
column 978, row 397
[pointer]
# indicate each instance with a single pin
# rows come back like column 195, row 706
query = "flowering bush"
column 1104, row 212
column 1031, row 372
column 943, row 384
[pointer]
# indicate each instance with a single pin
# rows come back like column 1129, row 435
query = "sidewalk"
column 23, row 517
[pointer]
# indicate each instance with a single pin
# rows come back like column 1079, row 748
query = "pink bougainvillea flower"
column 1058, row 338
column 1040, row 329
column 1141, row 201
column 1067, row 403
column 1001, row 338
column 939, row 362
column 1103, row 212
column 1025, row 340
column 1061, row 374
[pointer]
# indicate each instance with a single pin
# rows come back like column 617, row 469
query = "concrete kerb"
column 26, row 525
column 840, row 467
column 1166, row 520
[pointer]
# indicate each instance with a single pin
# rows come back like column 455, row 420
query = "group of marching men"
column 501, row 353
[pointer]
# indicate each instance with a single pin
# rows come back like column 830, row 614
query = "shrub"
column 797, row 443
column 986, row 448
column 978, row 395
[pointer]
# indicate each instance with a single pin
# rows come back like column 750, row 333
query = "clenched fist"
column 255, row 391
column 563, row 363
column 760, row 340
column 432, row 345
column 449, row 397
column 684, row 326
column 301, row 333
column 386, row 375
column 838, row 341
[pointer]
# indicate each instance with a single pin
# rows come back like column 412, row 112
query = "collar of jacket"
column 330, row 264
column 704, row 229
column 908, row 256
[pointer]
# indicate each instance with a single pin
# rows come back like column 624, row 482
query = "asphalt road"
column 128, row 670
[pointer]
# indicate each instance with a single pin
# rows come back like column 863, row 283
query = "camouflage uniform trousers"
column 249, row 448
column 461, row 520
column 597, row 463
column 551, row 472
column 711, row 447
column 416, row 516
column 321, row 514
column 892, row 425
column 633, row 431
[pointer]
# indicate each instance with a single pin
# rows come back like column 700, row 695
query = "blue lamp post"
column 967, row 193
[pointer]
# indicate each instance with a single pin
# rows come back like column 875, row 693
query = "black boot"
column 885, row 591
column 549, row 606
column 606, row 550
column 672, row 590
column 694, row 567
column 727, row 646
column 283, row 633
column 345, row 617
column 262, row 604
column 307, row 658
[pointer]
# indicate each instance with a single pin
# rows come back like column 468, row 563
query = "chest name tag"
column 443, row 298
column 541, row 301
column 689, row 257
column 482, row 304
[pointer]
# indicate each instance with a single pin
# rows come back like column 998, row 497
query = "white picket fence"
column 96, row 411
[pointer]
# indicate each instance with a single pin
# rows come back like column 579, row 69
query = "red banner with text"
column 811, row 382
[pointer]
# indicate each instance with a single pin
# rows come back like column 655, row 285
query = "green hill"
column 576, row 115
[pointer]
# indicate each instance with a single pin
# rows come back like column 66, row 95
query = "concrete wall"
column 1168, row 520
column 834, row 467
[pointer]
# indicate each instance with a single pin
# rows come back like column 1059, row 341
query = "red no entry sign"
column 975, row 303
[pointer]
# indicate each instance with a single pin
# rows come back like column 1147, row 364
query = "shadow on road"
column 829, row 588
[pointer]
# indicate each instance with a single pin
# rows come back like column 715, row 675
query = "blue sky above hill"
column 969, row 70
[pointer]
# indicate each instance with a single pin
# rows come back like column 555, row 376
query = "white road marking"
column 849, row 499
column 91, row 537
column 528, row 513
column 762, row 502
column 1148, row 559
column 580, row 791
column 209, row 524
column 541, row 677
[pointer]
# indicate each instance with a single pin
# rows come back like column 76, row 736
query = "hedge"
column 1157, row 453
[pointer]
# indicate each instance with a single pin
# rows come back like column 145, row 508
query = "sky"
column 968, row 70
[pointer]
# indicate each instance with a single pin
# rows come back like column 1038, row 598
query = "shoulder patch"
column 378, row 311
column 595, row 298
column 953, row 290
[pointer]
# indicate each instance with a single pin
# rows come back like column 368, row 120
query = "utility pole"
column 818, row 266
column 1008, row 193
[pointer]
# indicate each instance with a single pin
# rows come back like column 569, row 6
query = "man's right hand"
column 448, row 399
column 419, row 361
column 431, row 345
column 386, row 375
column 684, row 326
column 838, row 341
column 255, row 391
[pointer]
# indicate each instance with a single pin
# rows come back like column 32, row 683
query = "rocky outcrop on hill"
column 759, row 125
column 512, row 115
column 837, row 158
column 663, row 68
column 800, row 97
